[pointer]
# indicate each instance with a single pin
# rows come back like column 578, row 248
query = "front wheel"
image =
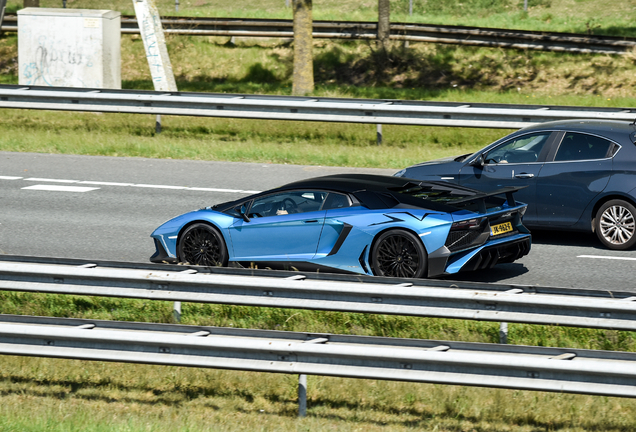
column 615, row 224
column 399, row 253
column 203, row 245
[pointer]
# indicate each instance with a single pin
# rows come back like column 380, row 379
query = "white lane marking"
column 607, row 257
column 105, row 183
column 50, row 180
column 213, row 189
column 54, row 188
column 158, row 186
column 99, row 183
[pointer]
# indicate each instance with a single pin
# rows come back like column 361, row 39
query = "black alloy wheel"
column 615, row 224
column 203, row 245
column 399, row 253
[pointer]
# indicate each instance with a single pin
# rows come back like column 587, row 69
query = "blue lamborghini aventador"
column 354, row 223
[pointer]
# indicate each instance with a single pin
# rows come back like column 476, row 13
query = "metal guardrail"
column 433, row 33
column 456, row 300
column 374, row 111
column 458, row 363
column 310, row 276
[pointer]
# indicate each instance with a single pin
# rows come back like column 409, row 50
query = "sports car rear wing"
column 441, row 196
column 481, row 197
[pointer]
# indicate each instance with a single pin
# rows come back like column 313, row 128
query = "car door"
column 285, row 226
column 516, row 162
column 578, row 171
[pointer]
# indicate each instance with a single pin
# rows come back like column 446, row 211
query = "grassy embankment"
column 342, row 69
column 62, row 395
column 43, row 394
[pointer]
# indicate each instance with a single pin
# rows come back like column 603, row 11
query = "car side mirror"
column 479, row 161
column 242, row 210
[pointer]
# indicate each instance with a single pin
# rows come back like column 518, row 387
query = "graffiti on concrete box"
column 55, row 65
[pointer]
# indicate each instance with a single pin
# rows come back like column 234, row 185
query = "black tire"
column 201, row 244
column 615, row 224
column 399, row 253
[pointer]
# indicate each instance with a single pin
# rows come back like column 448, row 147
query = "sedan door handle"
column 524, row 175
column 311, row 221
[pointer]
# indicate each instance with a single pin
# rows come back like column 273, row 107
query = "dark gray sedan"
column 579, row 176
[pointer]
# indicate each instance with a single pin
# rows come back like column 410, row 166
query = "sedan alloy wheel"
column 616, row 224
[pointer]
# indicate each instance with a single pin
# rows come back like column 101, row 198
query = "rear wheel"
column 202, row 245
column 615, row 224
column 399, row 253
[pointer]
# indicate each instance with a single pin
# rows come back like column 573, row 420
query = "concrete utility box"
column 69, row 48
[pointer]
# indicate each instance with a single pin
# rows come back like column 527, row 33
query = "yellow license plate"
column 500, row 228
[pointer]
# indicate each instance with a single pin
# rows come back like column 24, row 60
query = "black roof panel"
column 349, row 183
column 384, row 192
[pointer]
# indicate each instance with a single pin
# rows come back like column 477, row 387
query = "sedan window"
column 578, row 146
column 287, row 203
column 523, row 149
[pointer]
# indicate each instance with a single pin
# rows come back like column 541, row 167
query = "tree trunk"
column 384, row 19
column 31, row 3
column 303, row 48
column 3, row 4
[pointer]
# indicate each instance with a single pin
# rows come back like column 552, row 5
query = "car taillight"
column 467, row 224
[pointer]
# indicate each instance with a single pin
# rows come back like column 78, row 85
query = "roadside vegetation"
column 63, row 395
column 433, row 72
column 574, row 16
column 66, row 395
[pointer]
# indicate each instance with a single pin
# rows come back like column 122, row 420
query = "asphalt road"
column 104, row 208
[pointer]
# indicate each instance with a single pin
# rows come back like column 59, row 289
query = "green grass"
column 234, row 140
column 343, row 69
column 71, row 396
column 66, row 395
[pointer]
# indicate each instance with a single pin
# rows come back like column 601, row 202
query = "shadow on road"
column 504, row 272
column 558, row 238
column 496, row 274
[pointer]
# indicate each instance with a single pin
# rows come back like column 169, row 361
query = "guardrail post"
column 176, row 5
column 379, row 134
column 158, row 125
column 503, row 333
column 176, row 311
column 302, row 395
